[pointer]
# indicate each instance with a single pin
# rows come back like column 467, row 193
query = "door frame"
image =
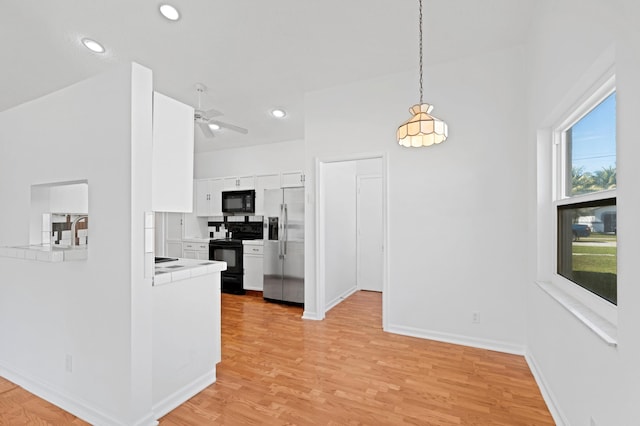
column 320, row 226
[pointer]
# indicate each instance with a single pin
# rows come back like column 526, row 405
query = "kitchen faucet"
column 73, row 228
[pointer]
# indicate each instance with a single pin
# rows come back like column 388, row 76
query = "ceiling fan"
column 205, row 119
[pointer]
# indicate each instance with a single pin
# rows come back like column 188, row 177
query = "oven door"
column 230, row 254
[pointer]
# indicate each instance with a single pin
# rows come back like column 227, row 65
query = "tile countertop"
column 45, row 253
column 196, row 240
column 183, row 269
column 253, row 242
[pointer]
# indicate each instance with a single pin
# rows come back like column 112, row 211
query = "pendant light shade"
column 422, row 129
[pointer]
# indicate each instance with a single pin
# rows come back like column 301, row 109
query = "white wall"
column 72, row 198
column 98, row 310
column 252, row 160
column 369, row 166
column 457, row 212
column 339, row 230
column 585, row 379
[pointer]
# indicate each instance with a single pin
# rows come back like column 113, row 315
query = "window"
column 586, row 195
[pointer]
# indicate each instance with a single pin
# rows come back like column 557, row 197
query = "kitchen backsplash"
column 57, row 228
column 239, row 227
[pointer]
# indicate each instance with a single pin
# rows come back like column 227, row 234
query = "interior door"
column 369, row 234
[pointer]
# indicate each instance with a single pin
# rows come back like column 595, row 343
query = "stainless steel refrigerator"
column 284, row 245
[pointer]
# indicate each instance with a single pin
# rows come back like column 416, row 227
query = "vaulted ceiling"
column 253, row 55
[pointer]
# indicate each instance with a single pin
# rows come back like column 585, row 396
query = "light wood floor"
column 277, row 369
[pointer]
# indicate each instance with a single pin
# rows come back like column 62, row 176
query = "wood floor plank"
column 278, row 369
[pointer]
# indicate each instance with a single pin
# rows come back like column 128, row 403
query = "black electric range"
column 230, row 250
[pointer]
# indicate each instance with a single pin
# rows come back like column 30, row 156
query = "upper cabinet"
column 172, row 166
column 208, row 192
column 238, row 183
column 209, row 197
column 290, row 179
column 265, row 182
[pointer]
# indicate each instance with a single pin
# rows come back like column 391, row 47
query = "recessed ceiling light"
column 214, row 126
column 169, row 12
column 278, row 113
column 93, row 45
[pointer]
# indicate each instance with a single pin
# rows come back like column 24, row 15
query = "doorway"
column 351, row 229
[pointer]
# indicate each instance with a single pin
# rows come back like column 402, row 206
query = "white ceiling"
column 252, row 54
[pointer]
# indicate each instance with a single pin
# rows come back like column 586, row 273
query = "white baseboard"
column 183, row 394
column 80, row 408
column 492, row 345
column 306, row 315
column 547, row 395
column 254, row 288
column 333, row 303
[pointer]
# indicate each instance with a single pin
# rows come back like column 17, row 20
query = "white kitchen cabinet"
column 172, row 155
column 202, row 197
column 215, row 185
column 194, row 226
column 185, row 226
column 174, row 226
column 292, row 179
column 174, row 249
column 229, row 183
column 195, row 250
column 238, row 183
column 209, row 197
column 173, row 232
column 253, row 267
column 246, row 182
column 264, row 182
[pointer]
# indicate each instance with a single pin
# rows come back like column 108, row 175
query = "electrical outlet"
column 68, row 363
column 475, row 317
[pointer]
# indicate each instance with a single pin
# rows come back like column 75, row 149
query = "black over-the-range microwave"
column 239, row 201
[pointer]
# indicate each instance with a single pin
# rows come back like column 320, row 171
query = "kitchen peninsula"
column 186, row 330
column 95, row 336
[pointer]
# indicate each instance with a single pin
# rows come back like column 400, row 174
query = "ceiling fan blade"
column 210, row 113
column 230, row 126
column 206, row 130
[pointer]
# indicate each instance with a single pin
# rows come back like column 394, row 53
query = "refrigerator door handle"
column 281, row 232
column 286, row 228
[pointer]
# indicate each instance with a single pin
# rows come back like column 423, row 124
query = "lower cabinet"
column 253, row 269
column 192, row 250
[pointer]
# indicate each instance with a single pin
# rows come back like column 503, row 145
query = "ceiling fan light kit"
column 422, row 129
column 204, row 119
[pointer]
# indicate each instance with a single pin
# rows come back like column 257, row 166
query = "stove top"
column 160, row 259
column 226, row 241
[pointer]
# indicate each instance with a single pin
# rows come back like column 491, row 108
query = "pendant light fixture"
column 422, row 129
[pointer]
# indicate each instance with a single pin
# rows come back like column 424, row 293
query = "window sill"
column 595, row 322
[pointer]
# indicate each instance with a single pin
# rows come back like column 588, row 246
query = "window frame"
column 559, row 198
